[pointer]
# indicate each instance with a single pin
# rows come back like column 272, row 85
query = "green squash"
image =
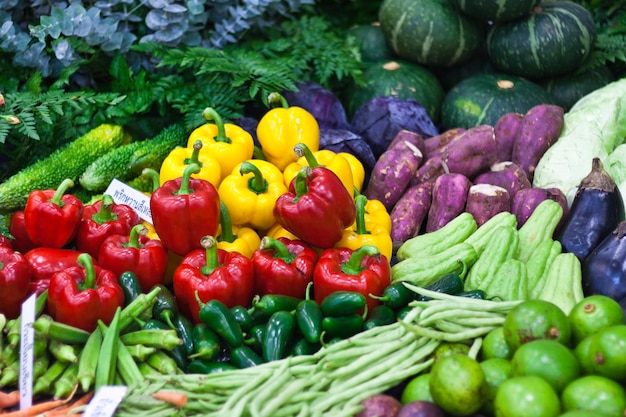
column 555, row 39
column 495, row 10
column 568, row 89
column 370, row 41
column 429, row 32
column 484, row 98
column 401, row 79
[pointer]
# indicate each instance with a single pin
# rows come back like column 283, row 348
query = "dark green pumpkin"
column 401, row 79
column 495, row 10
column 429, row 32
column 482, row 99
column 554, row 39
column 370, row 41
column 568, row 89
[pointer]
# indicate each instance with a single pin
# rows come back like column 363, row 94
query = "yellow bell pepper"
column 281, row 128
column 228, row 143
column 174, row 164
column 359, row 235
column 230, row 238
column 329, row 159
column 250, row 193
column 376, row 215
column 277, row 231
column 357, row 168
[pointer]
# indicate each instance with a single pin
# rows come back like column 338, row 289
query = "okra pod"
column 147, row 370
column 45, row 326
column 107, row 358
column 88, row 361
column 63, row 351
column 139, row 305
column 65, row 384
column 44, row 382
column 126, row 366
column 163, row 363
column 158, row 338
column 140, row 352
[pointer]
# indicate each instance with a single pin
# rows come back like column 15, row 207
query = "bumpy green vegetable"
column 127, row 161
column 69, row 161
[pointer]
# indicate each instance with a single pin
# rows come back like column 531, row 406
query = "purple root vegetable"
column 436, row 144
column 429, row 171
column 420, row 408
column 380, row 405
column 410, row 211
column 407, row 140
column 507, row 130
column 392, row 174
column 448, row 200
column 541, row 128
column 486, row 200
column 506, row 175
column 526, row 200
column 472, row 152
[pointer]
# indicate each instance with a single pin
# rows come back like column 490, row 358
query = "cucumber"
column 447, row 284
column 69, row 161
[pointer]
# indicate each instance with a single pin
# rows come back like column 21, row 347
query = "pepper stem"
column 105, row 214
column 154, row 175
column 195, row 154
column 353, row 266
column 279, row 248
column 257, row 184
column 184, row 184
column 300, row 185
column 133, row 238
column 226, row 226
column 210, row 246
column 277, row 97
column 211, row 114
column 86, row 261
column 302, row 150
column 361, row 202
column 60, row 191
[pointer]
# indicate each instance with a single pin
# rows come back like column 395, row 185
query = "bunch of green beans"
column 334, row 380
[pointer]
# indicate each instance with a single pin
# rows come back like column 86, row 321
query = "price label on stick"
column 27, row 341
column 106, row 400
column 124, row 194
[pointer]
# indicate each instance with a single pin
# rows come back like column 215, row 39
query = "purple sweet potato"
column 448, row 200
column 429, row 171
column 506, row 175
column 486, row 200
column 410, row 211
column 471, row 152
column 407, row 140
column 392, row 174
column 541, row 128
column 507, row 130
column 379, row 405
column 526, row 200
column 436, row 144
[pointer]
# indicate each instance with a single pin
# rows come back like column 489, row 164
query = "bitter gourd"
column 127, row 161
column 68, row 161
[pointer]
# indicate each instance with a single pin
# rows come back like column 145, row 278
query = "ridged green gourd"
column 429, row 32
column 495, row 10
column 67, row 162
column 555, row 39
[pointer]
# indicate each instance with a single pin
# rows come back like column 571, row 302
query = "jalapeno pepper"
column 279, row 334
column 256, row 335
column 206, row 343
column 244, row 357
column 130, row 285
column 184, row 330
column 304, row 347
column 269, row 304
column 218, row 317
column 165, row 307
column 200, row 366
column 397, row 296
column 242, row 315
column 343, row 326
column 309, row 318
column 379, row 316
column 178, row 354
column 343, row 303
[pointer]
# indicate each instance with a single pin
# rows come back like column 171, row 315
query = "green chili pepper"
column 304, row 347
column 343, row 303
column 403, row 312
column 309, row 319
column 184, row 329
column 380, row 316
column 218, row 317
column 244, row 357
column 206, row 343
column 202, row 366
column 477, row 294
column 178, row 353
column 256, row 335
column 269, row 304
column 165, row 307
column 397, row 295
column 242, row 315
column 279, row 334
column 343, row 326
column 130, row 285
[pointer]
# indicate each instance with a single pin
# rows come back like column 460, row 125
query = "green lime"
column 448, row 348
column 526, row 396
column 592, row 314
column 497, row 370
column 536, row 319
column 595, row 393
column 582, row 413
column 457, row 384
column 495, row 346
column 417, row 389
column 606, row 353
column 547, row 359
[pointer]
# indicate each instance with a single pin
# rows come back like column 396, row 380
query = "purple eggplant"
column 596, row 210
column 604, row 269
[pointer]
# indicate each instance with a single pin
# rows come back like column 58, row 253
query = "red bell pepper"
column 5, row 241
column 45, row 262
column 15, row 281
column 80, row 296
column 135, row 252
column 17, row 228
column 102, row 219
column 283, row 266
column 364, row 270
column 212, row 274
column 317, row 208
column 52, row 217
column 184, row 210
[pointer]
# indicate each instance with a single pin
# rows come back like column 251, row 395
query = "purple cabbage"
column 322, row 103
column 338, row 140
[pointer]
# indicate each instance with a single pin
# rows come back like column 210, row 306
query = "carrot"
column 178, row 399
column 71, row 409
column 36, row 409
column 9, row 399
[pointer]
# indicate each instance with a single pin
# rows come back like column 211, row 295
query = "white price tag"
column 124, row 194
column 105, row 402
column 27, row 341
